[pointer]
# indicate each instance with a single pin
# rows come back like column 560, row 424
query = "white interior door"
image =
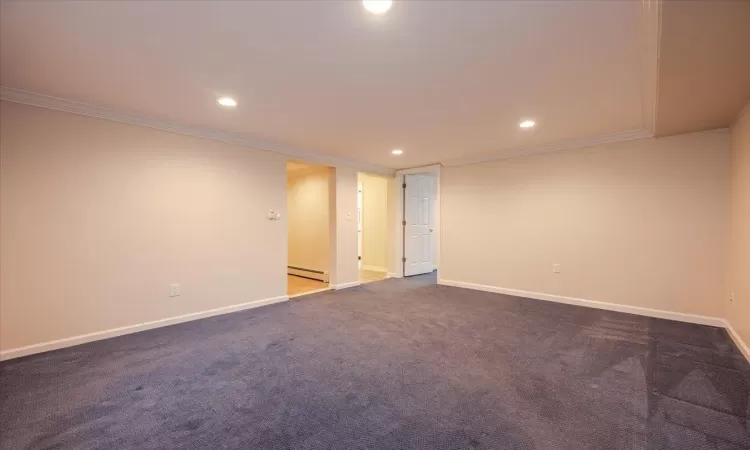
column 419, row 247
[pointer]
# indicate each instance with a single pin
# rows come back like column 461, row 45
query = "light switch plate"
column 273, row 215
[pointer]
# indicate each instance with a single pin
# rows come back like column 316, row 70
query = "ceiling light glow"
column 397, row 151
column 527, row 124
column 227, row 101
column 377, row 6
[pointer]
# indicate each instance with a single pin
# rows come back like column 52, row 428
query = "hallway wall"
column 308, row 218
column 375, row 222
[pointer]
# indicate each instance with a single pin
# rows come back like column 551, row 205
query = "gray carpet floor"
column 392, row 364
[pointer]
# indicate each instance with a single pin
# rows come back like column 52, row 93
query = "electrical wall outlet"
column 174, row 290
column 555, row 268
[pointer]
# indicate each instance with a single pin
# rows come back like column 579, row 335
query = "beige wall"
column 98, row 218
column 738, row 312
column 375, row 222
column 307, row 218
column 640, row 223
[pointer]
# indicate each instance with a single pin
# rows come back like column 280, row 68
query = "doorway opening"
column 420, row 221
column 308, row 221
column 372, row 227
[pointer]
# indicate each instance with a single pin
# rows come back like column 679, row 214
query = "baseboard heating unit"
column 307, row 273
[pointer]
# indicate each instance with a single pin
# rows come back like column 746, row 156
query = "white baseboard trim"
column 99, row 335
column 392, row 275
column 375, row 268
column 345, row 285
column 641, row 311
column 744, row 348
column 315, row 291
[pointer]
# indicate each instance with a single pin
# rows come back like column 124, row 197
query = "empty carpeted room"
column 375, row 224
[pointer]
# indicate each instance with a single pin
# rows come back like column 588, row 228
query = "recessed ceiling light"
column 397, row 151
column 377, row 6
column 527, row 124
column 227, row 101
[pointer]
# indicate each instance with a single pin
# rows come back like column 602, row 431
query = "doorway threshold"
column 314, row 291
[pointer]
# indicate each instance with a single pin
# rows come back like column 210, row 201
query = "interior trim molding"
column 744, row 348
column 375, row 268
column 338, row 287
column 309, row 170
column 100, row 112
column 651, row 15
column 655, row 108
column 113, row 332
column 393, row 275
column 556, row 147
column 641, row 311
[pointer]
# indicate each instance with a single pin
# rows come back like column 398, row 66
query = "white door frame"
column 360, row 223
column 398, row 245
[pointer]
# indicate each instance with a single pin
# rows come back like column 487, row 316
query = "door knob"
column 430, row 230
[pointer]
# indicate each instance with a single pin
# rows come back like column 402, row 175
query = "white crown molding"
column 432, row 168
column 549, row 148
column 100, row 112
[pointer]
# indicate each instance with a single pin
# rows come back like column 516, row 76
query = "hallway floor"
column 300, row 285
column 366, row 276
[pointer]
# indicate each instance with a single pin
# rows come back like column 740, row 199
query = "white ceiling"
column 442, row 80
column 704, row 68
